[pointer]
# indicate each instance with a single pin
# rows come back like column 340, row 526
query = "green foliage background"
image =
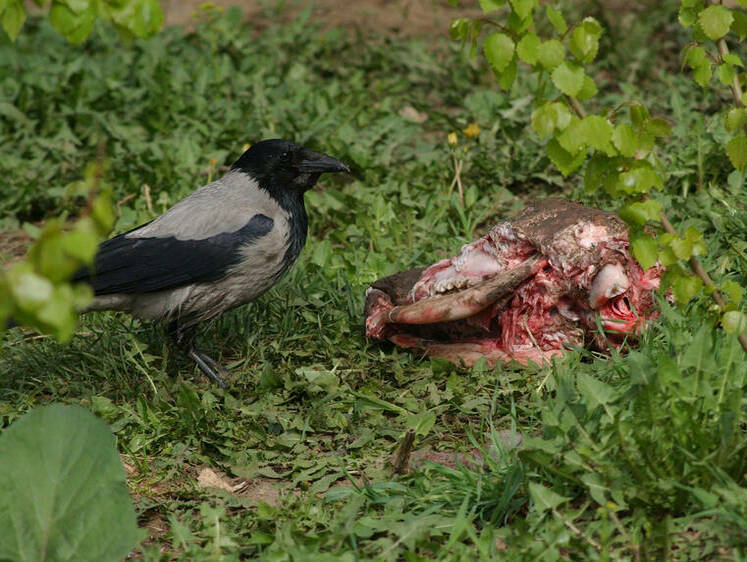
column 639, row 455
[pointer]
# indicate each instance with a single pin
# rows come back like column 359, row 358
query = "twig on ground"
column 401, row 459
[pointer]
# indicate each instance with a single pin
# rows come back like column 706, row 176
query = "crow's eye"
column 284, row 155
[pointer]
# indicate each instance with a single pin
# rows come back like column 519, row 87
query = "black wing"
column 143, row 265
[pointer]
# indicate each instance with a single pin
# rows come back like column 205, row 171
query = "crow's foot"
column 184, row 340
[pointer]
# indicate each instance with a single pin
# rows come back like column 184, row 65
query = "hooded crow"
column 219, row 248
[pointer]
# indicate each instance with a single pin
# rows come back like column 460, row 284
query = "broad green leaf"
column 517, row 25
column 685, row 287
column 550, row 54
column 695, row 56
column 641, row 178
column 459, row 28
column 507, row 77
column 725, row 73
column 702, row 74
column 667, row 257
column 736, row 148
column 715, row 21
column 563, row 160
column 62, row 489
column 625, row 139
column 733, row 59
column 82, row 243
column 584, row 42
column 658, row 127
column 29, row 290
column 638, row 114
column 568, row 77
column 596, row 132
column 556, row 19
column 523, row 8
column 733, row 290
column 13, row 17
column 593, row 390
column 553, row 116
column 491, row 5
column 543, row 120
column 141, row 18
column 701, row 65
column 688, row 13
column 79, row 6
column 593, row 131
column 528, row 47
column 49, row 255
column 589, row 88
column 58, row 313
column 645, row 249
column 640, row 212
column 499, row 50
column 695, row 239
column 739, row 25
column 602, row 172
column 734, row 322
column 544, row 498
column 74, row 26
column 422, row 423
column 682, row 248
column 598, row 490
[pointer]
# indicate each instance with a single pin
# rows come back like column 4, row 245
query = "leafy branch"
column 74, row 19
column 619, row 154
column 37, row 291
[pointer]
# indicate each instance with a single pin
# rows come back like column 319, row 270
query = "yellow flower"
column 472, row 131
column 245, row 147
column 213, row 161
column 452, row 138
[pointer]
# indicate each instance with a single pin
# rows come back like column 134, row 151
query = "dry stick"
column 401, row 459
column 576, row 530
column 695, row 264
column 636, row 548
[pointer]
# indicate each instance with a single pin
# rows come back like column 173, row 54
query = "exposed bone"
column 465, row 303
column 609, row 283
column 470, row 306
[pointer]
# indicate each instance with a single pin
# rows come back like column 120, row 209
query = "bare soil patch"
column 397, row 17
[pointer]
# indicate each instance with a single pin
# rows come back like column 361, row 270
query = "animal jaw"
column 530, row 288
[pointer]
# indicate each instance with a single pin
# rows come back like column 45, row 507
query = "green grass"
column 639, row 455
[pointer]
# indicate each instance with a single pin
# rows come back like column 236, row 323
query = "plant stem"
column 698, row 269
column 736, row 89
column 695, row 265
column 577, row 107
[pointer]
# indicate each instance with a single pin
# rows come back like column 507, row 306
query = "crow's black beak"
column 319, row 163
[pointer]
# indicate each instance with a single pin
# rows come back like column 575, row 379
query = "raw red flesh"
column 527, row 290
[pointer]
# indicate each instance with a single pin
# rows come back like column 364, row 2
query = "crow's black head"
column 284, row 165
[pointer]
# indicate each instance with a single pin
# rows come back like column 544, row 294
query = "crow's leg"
column 184, row 338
